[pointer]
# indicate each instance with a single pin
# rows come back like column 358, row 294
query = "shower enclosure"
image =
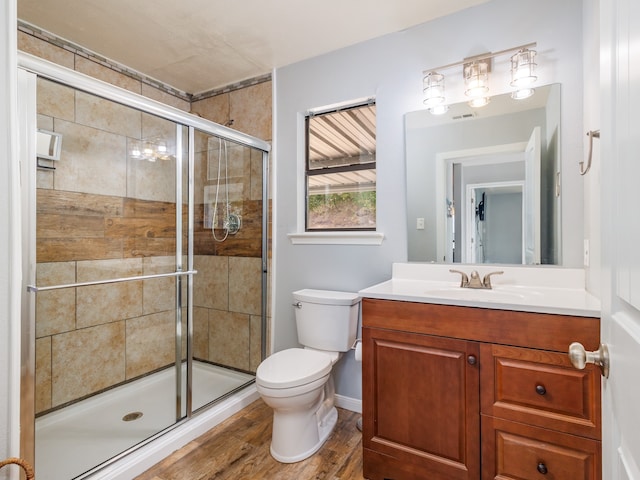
column 145, row 268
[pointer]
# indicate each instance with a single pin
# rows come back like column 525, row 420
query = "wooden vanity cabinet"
column 470, row 393
column 423, row 421
column 540, row 416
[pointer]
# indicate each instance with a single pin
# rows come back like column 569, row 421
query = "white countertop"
column 552, row 290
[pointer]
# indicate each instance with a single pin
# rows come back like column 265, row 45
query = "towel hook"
column 591, row 134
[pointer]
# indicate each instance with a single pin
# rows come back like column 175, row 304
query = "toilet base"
column 325, row 427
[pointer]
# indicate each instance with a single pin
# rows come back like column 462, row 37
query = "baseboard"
column 348, row 403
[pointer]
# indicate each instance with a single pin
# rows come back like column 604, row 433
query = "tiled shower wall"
column 227, row 289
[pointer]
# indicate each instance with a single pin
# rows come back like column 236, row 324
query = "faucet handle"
column 464, row 279
column 474, row 280
column 486, row 281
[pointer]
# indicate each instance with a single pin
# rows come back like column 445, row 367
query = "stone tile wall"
column 91, row 338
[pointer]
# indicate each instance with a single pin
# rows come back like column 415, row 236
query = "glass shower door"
column 227, row 254
column 110, row 287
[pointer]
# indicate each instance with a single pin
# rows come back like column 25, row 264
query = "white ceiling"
column 201, row 45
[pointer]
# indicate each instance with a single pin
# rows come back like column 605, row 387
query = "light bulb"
column 479, row 102
column 439, row 109
column 522, row 93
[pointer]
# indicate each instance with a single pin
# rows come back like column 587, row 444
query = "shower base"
column 75, row 439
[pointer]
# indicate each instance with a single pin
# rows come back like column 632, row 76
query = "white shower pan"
column 75, row 439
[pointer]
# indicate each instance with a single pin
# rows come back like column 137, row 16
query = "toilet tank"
column 326, row 320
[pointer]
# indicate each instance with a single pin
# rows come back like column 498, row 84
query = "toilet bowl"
column 298, row 386
column 297, row 383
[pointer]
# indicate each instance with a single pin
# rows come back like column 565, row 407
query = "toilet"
column 297, row 383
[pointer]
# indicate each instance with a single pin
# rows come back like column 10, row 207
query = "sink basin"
column 476, row 295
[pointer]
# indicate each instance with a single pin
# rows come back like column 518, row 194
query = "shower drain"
column 129, row 417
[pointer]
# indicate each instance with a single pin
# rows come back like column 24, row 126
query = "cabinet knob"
column 542, row 468
column 472, row 360
column 580, row 357
column 540, row 390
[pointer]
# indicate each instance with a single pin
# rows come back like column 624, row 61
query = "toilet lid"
column 293, row 367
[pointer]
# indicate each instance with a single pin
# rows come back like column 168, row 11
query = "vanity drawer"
column 540, row 388
column 513, row 451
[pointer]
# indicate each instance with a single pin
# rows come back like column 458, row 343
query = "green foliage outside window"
column 342, row 210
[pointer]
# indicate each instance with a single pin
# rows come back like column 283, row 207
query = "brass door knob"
column 580, row 357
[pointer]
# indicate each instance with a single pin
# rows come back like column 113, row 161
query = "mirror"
column 481, row 182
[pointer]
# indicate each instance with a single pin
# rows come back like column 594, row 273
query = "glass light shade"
column 476, row 79
column 433, row 89
column 522, row 93
column 523, row 68
column 479, row 102
column 439, row 109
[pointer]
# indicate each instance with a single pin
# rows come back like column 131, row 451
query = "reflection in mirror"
column 481, row 183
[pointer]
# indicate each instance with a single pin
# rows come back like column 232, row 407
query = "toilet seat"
column 293, row 367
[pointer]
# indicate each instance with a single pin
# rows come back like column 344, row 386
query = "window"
column 341, row 169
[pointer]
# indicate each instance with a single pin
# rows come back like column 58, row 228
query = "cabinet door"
column 420, row 407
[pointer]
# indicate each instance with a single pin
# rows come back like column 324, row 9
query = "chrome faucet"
column 473, row 280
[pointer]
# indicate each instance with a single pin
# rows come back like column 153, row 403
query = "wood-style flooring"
column 238, row 449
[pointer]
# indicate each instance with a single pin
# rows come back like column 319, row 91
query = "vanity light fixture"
column 476, row 78
column 523, row 68
column 476, row 82
column 433, row 89
column 523, row 73
column 475, row 71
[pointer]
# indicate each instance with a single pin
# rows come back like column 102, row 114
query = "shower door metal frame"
column 31, row 67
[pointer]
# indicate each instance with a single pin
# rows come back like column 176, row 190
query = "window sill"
column 336, row 238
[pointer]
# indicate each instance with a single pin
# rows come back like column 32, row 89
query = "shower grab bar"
column 34, row 289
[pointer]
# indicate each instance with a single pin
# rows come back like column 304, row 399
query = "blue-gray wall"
column 390, row 68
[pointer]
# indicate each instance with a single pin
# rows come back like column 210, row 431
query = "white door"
column 531, row 218
column 620, row 159
column 469, row 227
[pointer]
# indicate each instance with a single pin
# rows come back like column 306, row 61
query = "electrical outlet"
column 585, row 259
column 420, row 223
